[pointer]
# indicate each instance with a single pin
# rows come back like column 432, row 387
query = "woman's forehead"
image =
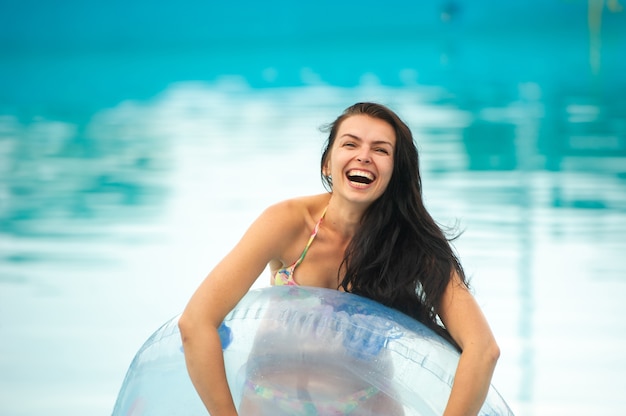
column 364, row 127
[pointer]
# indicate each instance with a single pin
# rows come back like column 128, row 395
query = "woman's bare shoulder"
column 283, row 225
column 299, row 209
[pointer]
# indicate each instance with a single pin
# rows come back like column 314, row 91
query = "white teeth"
column 362, row 173
column 360, row 177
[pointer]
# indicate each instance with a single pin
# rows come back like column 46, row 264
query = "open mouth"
column 360, row 176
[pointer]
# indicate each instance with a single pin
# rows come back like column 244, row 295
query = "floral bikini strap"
column 311, row 238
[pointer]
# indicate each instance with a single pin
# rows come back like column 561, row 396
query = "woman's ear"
column 326, row 173
column 326, row 170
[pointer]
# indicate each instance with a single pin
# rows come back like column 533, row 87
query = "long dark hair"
column 399, row 256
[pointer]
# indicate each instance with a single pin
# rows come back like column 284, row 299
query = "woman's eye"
column 383, row 151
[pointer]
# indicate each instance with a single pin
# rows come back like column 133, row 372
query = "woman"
column 370, row 235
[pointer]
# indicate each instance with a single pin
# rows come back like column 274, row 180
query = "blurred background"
column 139, row 139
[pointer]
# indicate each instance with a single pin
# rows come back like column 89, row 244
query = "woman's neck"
column 343, row 218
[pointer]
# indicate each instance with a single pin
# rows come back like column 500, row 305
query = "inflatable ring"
column 305, row 351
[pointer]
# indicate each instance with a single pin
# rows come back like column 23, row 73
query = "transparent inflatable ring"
column 305, row 351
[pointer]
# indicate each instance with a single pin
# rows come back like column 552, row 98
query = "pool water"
column 125, row 175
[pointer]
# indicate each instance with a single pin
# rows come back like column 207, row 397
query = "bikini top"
column 284, row 276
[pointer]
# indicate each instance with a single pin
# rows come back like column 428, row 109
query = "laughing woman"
column 369, row 235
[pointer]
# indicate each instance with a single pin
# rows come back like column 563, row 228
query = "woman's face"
column 361, row 158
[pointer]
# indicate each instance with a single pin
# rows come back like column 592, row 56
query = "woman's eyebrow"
column 382, row 142
column 352, row 136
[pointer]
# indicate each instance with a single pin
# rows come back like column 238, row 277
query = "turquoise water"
column 129, row 167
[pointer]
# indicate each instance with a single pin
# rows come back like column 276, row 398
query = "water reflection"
column 153, row 192
column 57, row 172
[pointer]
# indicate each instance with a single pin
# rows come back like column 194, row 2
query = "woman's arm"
column 463, row 318
column 218, row 295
